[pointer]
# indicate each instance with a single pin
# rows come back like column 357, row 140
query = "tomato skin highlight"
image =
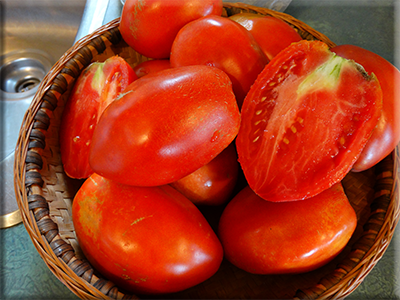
column 222, row 43
column 214, row 183
column 386, row 135
column 272, row 34
column 147, row 240
column 305, row 121
column 151, row 66
column 97, row 86
column 150, row 26
column 264, row 237
column 165, row 126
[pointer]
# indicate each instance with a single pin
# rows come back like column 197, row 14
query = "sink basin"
column 36, row 33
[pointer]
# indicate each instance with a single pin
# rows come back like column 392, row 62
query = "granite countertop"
column 366, row 23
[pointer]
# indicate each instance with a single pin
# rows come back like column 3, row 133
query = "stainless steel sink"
column 35, row 34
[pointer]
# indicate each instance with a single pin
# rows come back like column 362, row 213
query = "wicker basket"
column 44, row 195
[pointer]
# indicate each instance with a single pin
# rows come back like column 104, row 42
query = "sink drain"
column 22, row 71
column 26, row 84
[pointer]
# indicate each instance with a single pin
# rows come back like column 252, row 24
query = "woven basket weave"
column 45, row 194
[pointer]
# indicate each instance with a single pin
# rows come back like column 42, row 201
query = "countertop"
column 366, row 23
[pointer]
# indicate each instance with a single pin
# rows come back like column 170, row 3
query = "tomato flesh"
column 264, row 237
column 305, row 121
column 147, row 240
column 98, row 85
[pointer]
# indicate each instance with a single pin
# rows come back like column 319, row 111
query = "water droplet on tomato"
column 215, row 136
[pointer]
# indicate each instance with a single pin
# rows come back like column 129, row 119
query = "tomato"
column 272, row 34
column 305, row 121
column 386, row 135
column 223, row 43
column 264, row 237
column 95, row 88
column 147, row 240
column 151, row 66
column 165, row 126
column 214, row 183
column 150, row 26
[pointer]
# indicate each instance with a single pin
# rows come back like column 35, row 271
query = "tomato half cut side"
column 305, row 121
column 98, row 85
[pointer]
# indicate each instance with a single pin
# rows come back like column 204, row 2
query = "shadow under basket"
column 45, row 194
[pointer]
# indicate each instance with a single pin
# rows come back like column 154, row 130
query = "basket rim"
column 86, row 290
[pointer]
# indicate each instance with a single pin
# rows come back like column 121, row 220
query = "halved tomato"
column 305, row 122
column 98, row 85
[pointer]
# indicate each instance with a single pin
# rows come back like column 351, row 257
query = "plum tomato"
column 97, row 86
column 150, row 26
column 272, row 34
column 305, row 122
column 147, row 240
column 386, row 135
column 151, row 66
column 222, row 43
column 213, row 183
column 264, row 237
column 165, row 126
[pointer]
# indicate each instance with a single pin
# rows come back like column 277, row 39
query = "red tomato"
column 147, row 240
column 272, row 34
column 305, row 121
column 165, row 126
column 150, row 26
column 212, row 184
column 95, row 88
column 386, row 135
column 151, row 66
column 223, row 43
column 264, row 237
